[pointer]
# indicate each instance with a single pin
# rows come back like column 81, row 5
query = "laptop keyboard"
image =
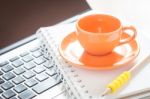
column 27, row 75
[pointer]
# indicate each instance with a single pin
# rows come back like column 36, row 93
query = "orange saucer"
column 71, row 50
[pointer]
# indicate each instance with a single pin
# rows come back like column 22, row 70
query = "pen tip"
column 107, row 91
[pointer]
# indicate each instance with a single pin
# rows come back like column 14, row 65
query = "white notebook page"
column 99, row 79
column 96, row 81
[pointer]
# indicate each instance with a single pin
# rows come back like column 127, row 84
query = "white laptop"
column 25, row 73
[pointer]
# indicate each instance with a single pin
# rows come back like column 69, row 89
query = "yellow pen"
column 124, row 77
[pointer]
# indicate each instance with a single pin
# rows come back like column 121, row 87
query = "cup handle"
column 126, row 40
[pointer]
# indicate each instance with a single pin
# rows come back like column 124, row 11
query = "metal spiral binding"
column 50, row 51
column 46, row 53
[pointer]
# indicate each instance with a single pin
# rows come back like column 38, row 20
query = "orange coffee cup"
column 99, row 34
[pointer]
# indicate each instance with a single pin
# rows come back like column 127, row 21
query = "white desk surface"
column 136, row 12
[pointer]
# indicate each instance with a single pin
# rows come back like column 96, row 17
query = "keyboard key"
column 31, row 82
column 51, row 72
column 19, row 70
column 7, row 85
column 37, row 54
column 8, row 94
column 29, row 65
column 48, row 64
column 28, row 74
column 46, row 56
column 1, row 73
column 1, row 81
column 35, row 49
column 3, row 63
column 13, row 98
column 1, row 90
column 39, row 69
column 41, row 77
column 18, row 80
column 39, row 60
column 27, row 94
column 8, row 76
column 20, row 88
column 14, row 58
column 17, row 63
column 7, row 68
column 24, row 54
column 27, row 58
column 45, row 85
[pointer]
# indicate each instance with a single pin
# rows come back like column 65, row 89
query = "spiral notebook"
column 89, row 84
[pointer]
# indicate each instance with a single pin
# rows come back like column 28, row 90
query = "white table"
column 136, row 12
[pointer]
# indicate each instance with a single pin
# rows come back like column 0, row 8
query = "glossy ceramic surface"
column 99, row 34
column 71, row 50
